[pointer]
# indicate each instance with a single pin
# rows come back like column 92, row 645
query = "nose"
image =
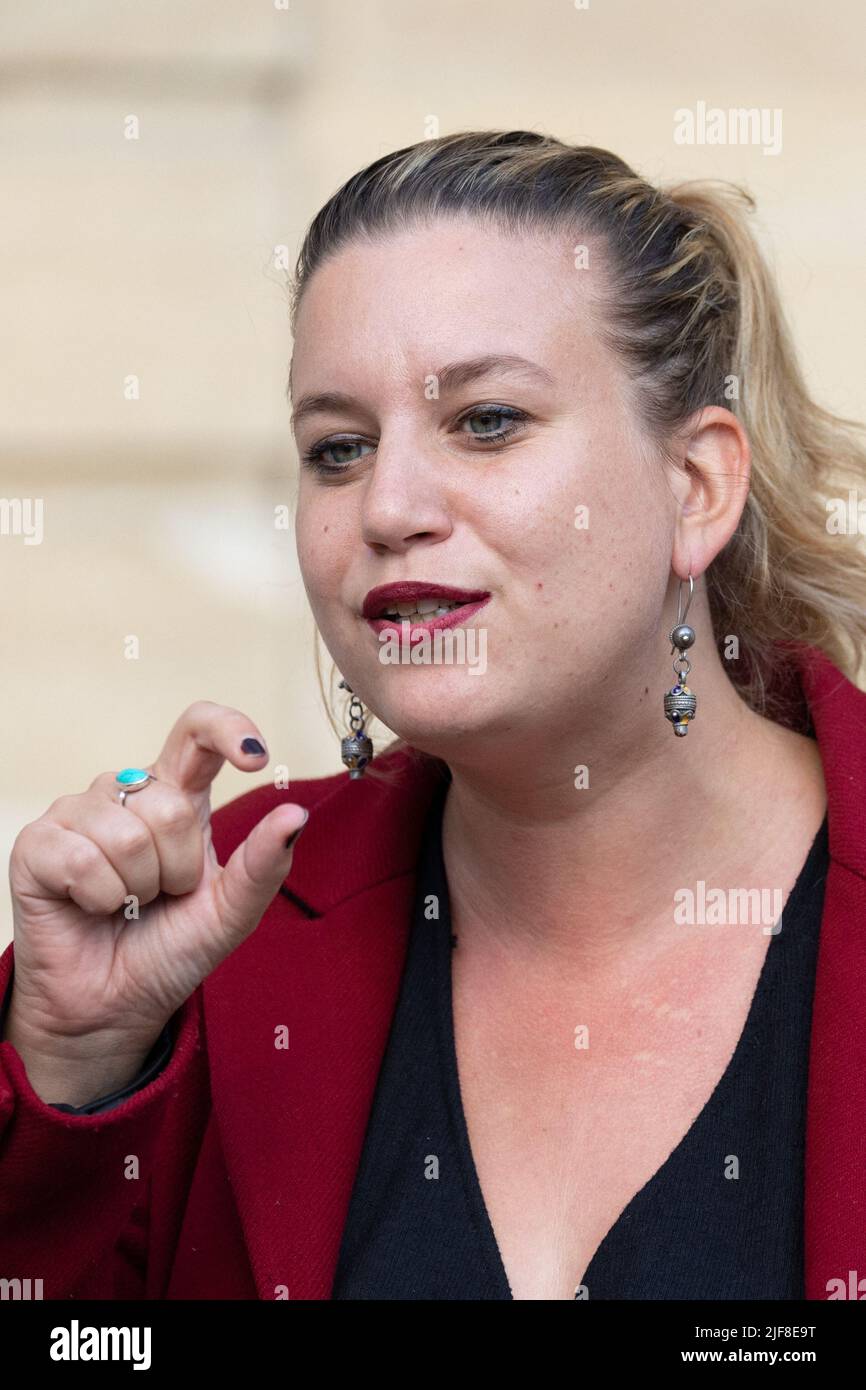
column 404, row 500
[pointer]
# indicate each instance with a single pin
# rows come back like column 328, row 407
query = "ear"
column 710, row 480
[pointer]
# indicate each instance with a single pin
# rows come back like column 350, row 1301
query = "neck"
column 566, row 875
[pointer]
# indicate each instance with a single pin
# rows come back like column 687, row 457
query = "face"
column 523, row 479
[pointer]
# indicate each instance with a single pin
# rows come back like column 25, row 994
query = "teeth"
column 423, row 609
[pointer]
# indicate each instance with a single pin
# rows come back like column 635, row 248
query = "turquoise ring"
column 132, row 779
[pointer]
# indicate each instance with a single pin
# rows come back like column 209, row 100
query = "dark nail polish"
column 251, row 745
column 295, row 833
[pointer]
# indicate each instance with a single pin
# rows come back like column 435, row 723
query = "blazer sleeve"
column 92, row 1203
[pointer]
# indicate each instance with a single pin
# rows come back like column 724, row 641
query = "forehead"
column 439, row 291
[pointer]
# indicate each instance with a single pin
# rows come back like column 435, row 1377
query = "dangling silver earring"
column 356, row 749
column 680, row 701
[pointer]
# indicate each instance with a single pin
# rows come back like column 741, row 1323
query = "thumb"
column 253, row 874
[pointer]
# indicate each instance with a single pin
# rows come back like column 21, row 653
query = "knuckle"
column 173, row 815
column 24, row 843
column 81, row 859
column 62, row 807
column 102, row 781
column 201, row 709
column 212, row 711
column 132, row 838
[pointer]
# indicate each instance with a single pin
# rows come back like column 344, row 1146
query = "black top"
column 417, row 1225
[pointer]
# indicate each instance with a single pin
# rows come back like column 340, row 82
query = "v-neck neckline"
column 750, row 1037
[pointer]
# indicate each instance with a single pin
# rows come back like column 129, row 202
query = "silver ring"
column 132, row 779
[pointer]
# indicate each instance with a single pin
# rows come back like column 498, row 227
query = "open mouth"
column 423, row 610
column 425, row 615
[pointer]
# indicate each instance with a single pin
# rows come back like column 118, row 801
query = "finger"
column 123, row 838
column 174, row 825
column 172, row 819
column 253, row 874
column 53, row 862
column 205, row 736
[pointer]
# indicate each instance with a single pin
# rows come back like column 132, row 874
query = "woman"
column 488, row 1041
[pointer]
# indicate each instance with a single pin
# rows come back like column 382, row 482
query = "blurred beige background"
column 155, row 258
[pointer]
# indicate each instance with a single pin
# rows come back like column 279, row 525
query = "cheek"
column 581, row 533
column 321, row 548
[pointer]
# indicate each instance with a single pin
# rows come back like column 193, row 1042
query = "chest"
column 573, row 1099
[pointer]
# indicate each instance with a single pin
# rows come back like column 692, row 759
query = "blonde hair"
column 692, row 309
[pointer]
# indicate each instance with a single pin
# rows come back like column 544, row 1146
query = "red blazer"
column 229, row 1176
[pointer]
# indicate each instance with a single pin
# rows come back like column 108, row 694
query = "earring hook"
column 681, row 619
column 681, row 614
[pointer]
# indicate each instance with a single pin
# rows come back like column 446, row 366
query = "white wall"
column 155, row 257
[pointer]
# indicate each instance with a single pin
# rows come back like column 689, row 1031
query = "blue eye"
column 343, row 452
column 314, row 458
column 488, row 415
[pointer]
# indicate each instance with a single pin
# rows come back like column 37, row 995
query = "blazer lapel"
column 325, row 966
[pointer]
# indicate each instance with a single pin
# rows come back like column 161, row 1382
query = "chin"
column 438, row 717
column 429, row 729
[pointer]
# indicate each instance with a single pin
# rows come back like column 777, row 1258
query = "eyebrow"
column 450, row 378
